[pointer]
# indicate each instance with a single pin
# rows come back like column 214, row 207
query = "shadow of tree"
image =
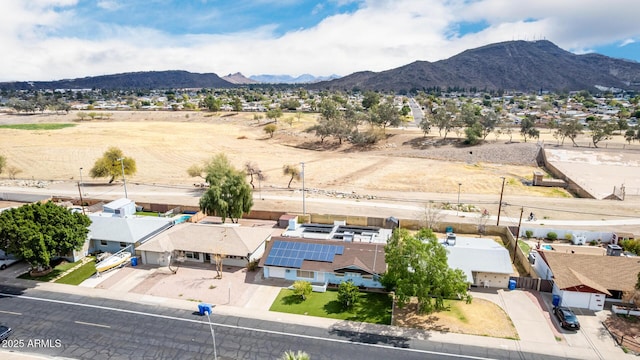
column 371, row 338
column 333, row 307
column 292, row 299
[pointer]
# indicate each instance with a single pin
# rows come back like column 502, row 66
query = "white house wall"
column 605, row 237
column 258, row 253
column 492, row 280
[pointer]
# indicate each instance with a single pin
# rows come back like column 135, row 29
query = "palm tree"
column 290, row 355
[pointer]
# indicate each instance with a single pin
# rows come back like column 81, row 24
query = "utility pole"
column 458, row 208
column 304, row 207
column 515, row 246
column 500, row 204
column 81, row 201
column 124, row 181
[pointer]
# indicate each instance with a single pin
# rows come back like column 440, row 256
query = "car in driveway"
column 567, row 317
column 5, row 331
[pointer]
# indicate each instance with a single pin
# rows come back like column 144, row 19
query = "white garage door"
column 276, row 272
column 576, row 299
column 151, row 258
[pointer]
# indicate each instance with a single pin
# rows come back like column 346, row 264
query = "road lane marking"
column 10, row 312
column 92, row 324
column 272, row 332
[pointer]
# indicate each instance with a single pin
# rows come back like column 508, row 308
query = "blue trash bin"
column 512, row 284
column 555, row 300
column 204, row 308
column 449, row 229
column 134, row 261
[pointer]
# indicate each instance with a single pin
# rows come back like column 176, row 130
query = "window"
column 305, row 274
column 370, row 277
column 338, row 274
column 192, row 255
column 103, row 242
column 123, row 244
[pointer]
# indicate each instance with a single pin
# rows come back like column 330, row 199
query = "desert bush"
column 369, row 137
column 528, row 234
column 568, row 237
column 552, row 235
column 253, row 265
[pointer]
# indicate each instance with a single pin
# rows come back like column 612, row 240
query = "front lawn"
column 372, row 308
column 79, row 275
column 524, row 246
column 58, row 269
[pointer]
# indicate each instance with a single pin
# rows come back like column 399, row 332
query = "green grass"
column 79, row 275
column 371, row 308
column 147, row 213
column 45, row 126
column 53, row 274
column 453, row 308
column 524, row 246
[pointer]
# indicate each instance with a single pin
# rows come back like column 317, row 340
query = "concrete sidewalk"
column 528, row 311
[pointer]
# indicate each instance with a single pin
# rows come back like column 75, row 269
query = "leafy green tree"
column 290, row 104
column 236, row 104
column 528, row 129
column 274, row 114
column 417, row 267
column 293, row 171
column 600, row 131
column 570, row 129
column 38, row 232
column 630, row 135
column 425, row 124
column 270, row 129
column 302, row 288
column 488, row 122
column 229, row 195
column 212, row 103
column 109, row 165
column 348, row 294
column 442, row 119
column 370, row 99
column 384, row 115
column 406, row 110
column 290, row 355
column 473, row 133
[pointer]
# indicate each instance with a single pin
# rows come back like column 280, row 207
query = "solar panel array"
column 292, row 254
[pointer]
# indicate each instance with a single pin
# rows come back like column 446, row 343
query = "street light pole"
column 81, row 180
column 304, row 207
column 458, row 208
column 500, row 204
column 124, row 181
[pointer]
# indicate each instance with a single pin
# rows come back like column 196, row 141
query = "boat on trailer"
column 113, row 261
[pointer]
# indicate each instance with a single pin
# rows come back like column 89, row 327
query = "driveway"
column 195, row 282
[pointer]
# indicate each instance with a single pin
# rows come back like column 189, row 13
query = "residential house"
column 199, row 242
column 323, row 261
column 339, row 231
column 587, row 281
column 113, row 233
column 485, row 262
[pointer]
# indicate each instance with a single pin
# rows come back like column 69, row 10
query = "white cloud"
column 627, row 42
column 379, row 35
column 109, row 5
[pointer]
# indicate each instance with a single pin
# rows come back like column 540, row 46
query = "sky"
column 45, row 40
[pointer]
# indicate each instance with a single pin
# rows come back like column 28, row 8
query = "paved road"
column 83, row 327
column 416, row 111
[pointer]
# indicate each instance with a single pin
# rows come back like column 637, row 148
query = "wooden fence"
column 537, row 284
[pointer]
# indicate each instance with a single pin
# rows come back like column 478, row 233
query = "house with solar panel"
column 324, row 262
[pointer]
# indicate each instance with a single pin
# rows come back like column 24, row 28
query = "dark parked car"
column 4, row 332
column 568, row 319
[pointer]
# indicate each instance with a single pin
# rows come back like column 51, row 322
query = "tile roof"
column 211, row 239
column 600, row 273
column 368, row 257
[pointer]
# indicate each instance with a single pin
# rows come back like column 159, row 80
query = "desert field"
column 165, row 144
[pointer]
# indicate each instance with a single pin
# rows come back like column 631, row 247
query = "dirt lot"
column 481, row 317
column 172, row 141
column 404, row 167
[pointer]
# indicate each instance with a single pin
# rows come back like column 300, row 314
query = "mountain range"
column 288, row 79
column 511, row 65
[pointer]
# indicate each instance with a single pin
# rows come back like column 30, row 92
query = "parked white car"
column 7, row 260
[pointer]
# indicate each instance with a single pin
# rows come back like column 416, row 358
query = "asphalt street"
column 83, row 327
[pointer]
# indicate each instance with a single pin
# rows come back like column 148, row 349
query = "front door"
column 207, row 257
